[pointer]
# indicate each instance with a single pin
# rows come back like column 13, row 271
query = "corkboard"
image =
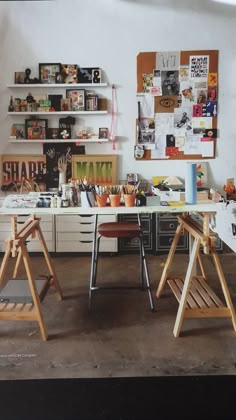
column 196, row 90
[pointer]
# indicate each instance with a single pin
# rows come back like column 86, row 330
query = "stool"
column 119, row 230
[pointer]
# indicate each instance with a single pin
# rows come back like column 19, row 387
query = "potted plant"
column 115, row 195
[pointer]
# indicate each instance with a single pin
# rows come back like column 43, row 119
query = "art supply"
column 191, row 183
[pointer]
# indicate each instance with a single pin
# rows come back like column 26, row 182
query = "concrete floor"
column 120, row 336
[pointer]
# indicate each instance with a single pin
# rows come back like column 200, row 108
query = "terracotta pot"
column 114, row 200
column 129, row 200
column 101, row 200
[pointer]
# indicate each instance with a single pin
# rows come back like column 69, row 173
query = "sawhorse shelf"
column 16, row 246
column 195, row 296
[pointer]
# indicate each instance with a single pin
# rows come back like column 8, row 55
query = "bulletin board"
column 177, row 105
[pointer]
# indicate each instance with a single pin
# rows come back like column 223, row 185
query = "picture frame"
column 91, row 102
column 48, row 71
column 103, row 133
column 77, row 97
column 69, row 73
column 36, row 129
column 89, row 75
column 17, row 131
column 98, row 169
column 19, row 77
column 52, row 133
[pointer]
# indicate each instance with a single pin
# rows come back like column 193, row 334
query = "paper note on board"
column 207, row 147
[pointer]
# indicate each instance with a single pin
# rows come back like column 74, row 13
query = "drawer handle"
column 171, row 225
column 83, row 233
column 85, row 242
column 170, row 241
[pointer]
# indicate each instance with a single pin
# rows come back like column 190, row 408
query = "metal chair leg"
column 146, row 274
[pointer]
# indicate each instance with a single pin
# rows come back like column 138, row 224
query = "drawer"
column 164, row 242
column 74, row 236
column 168, row 225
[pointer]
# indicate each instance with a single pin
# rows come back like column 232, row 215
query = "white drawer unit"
column 75, row 233
column 47, row 227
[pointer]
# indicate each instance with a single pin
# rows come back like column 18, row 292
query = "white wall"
column 110, row 34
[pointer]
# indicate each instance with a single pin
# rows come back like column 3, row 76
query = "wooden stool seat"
column 119, row 230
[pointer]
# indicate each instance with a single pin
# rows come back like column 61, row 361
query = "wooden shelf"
column 57, row 85
column 58, row 113
column 85, row 141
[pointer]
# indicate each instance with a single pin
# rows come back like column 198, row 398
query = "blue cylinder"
column 191, row 183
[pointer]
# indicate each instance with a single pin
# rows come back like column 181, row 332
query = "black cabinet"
column 148, row 226
column 166, row 225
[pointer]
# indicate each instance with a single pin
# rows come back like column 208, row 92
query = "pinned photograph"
column 183, row 118
column 170, row 82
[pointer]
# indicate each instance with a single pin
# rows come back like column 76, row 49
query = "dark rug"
column 182, row 397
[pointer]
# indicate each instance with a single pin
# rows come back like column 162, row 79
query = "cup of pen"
column 101, row 196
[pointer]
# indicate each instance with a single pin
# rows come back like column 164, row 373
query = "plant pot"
column 101, row 200
column 130, row 200
column 114, row 200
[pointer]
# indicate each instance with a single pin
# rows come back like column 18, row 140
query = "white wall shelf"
column 57, row 85
column 58, row 113
column 84, row 141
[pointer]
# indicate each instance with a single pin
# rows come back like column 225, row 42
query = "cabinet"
column 147, row 222
column 22, row 90
column 166, row 225
column 74, row 233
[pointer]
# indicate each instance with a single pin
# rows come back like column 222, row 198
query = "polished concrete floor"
column 120, row 336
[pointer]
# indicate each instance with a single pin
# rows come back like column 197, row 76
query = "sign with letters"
column 97, row 169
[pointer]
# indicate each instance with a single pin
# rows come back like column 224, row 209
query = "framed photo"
column 77, row 97
column 103, row 133
column 89, row 75
column 55, row 101
column 52, row 133
column 98, row 169
column 69, row 73
column 36, row 129
column 19, row 77
column 17, row 131
column 91, row 102
column 48, row 71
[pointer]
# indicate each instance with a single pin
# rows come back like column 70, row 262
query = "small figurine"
column 11, row 107
column 27, row 75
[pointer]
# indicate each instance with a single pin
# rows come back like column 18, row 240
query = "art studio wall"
column 110, row 34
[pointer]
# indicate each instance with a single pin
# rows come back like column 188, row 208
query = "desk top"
column 203, row 207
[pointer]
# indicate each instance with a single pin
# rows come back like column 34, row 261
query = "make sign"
column 98, row 169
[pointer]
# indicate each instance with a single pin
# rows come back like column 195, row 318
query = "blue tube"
column 191, row 183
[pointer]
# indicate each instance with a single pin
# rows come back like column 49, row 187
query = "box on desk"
column 178, row 195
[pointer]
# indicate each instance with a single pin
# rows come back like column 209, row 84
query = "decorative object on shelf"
column 91, row 101
column 48, row 71
column 69, row 73
column 65, row 124
column 19, row 77
column 27, row 75
column 98, row 169
column 53, row 152
column 17, row 131
column 103, row 133
column 66, row 104
column 65, row 133
column 89, row 75
column 77, row 98
column 11, row 107
column 53, row 133
column 36, row 128
column 55, row 102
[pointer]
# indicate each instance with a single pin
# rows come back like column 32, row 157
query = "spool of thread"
column 191, row 183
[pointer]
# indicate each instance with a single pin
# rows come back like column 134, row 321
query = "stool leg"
column 141, row 265
column 93, row 260
column 144, row 264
